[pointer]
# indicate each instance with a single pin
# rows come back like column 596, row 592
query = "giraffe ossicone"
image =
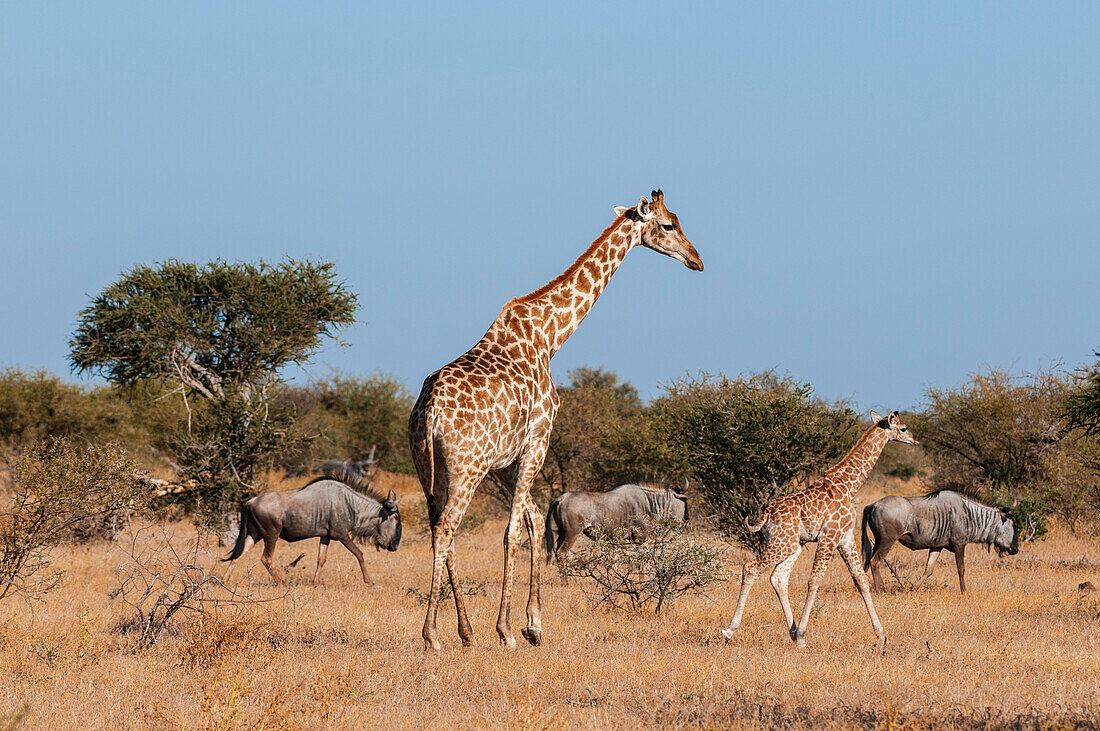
column 821, row 513
column 493, row 408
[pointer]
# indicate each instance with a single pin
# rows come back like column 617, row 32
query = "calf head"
column 899, row 432
column 388, row 535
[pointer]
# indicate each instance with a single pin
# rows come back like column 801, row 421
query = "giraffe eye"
column 905, row 428
column 667, row 226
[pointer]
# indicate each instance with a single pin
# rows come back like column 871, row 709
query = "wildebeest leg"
column 269, row 553
column 249, row 542
column 322, row 554
column 882, row 547
column 780, row 577
column 774, row 552
column 933, row 554
column 850, row 554
column 821, row 562
column 350, row 545
column 960, row 564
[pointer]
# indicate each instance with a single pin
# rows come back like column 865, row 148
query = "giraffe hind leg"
column 775, row 552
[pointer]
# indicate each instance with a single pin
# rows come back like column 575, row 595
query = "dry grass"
column 1020, row 649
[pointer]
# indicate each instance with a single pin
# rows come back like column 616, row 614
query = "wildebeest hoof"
column 532, row 635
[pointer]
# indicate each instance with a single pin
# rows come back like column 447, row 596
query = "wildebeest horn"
column 392, row 497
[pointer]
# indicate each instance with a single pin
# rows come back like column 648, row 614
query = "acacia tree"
column 216, row 336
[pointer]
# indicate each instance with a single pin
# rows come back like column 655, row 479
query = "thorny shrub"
column 163, row 583
column 625, row 572
column 58, row 488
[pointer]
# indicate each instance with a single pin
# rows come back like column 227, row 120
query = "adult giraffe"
column 493, row 408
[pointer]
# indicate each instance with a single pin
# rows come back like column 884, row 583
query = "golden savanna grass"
column 1021, row 648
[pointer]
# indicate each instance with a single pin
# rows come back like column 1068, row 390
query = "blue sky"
column 886, row 197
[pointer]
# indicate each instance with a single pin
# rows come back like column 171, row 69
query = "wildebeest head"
column 1007, row 538
column 388, row 535
column 899, row 432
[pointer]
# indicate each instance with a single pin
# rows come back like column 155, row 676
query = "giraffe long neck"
column 559, row 307
column 852, row 471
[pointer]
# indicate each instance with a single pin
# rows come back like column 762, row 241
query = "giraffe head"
column 661, row 230
column 899, row 432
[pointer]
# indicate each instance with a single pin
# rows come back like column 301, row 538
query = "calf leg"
column 817, row 574
column 933, row 554
column 322, row 554
column 960, row 564
column 350, row 545
column 780, row 577
column 848, row 552
column 776, row 551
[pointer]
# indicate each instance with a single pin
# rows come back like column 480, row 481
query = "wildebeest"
column 939, row 520
column 626, row 506
column 324, row 508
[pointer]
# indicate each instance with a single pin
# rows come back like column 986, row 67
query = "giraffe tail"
column 763, row 519
column 429, row 438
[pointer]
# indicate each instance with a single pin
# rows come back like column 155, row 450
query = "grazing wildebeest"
column 324, row 508
column 939, row 520
column 626, row 506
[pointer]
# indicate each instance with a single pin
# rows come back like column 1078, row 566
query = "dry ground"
column 1021, row 649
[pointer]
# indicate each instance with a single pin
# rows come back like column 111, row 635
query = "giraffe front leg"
column 535, row 523
column 848, row 552
column 523, row 510
column 511, row 545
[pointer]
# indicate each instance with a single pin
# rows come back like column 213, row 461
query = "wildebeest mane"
column 354, row 479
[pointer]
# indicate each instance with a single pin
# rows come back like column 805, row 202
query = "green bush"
column 747, row 440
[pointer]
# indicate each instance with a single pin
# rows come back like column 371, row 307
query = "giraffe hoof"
column 800, row 643
column 532, row 635
column 727, row 635
column 508, row 642
column 432, row 646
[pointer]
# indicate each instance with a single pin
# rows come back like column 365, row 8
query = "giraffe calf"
column 821, row 513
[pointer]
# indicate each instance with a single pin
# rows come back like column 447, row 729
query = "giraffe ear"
column 643, row 209
column 875, row 417
column 620, row 210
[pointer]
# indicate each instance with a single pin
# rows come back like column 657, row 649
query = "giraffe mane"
column 572, row 267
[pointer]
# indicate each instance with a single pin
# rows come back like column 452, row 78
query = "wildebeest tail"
column 865, row 539
column 548, row 532
column 763, row 519
column 242, row 534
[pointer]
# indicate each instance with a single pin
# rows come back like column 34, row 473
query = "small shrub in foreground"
column 58, row 488
column 667, row 562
